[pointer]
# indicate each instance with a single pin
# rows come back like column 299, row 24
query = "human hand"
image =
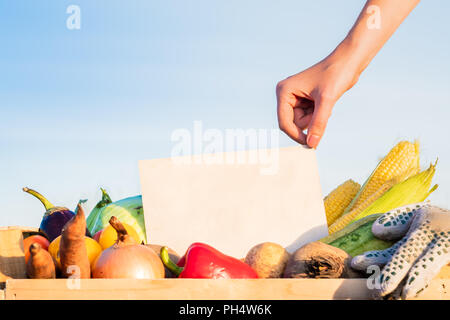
column 305, row 100
column 420, row 254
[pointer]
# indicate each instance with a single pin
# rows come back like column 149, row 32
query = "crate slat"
column 12, row 257
column 199, row 289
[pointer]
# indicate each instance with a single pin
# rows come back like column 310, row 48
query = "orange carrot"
column 72, row 248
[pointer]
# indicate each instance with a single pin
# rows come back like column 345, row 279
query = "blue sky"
column 79, row 108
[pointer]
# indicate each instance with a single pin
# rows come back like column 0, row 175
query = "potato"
column 268, row 259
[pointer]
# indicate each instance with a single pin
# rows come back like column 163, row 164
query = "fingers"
column 402, row 260
column 287, row 125
column 319, row 120
column 370, row 258
column 286, row 103
column 296, row 113
column 427, row 267
column 302, row 117
column 375, row 257
column 395, row 224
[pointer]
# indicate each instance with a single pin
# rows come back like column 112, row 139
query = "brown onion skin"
column 128, row 262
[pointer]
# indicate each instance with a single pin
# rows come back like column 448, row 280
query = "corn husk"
column 412, row 190
column 345, row 219
column 402, row 162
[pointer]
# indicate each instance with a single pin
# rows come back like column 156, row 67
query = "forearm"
column 377, row 22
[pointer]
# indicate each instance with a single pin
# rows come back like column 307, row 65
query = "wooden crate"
column 180, row 289
column 26, row 231
column 204, row 289
column 12, row 258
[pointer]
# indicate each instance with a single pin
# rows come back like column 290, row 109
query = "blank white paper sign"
column 250, row 197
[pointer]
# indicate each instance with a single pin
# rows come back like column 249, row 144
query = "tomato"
column 27, row 242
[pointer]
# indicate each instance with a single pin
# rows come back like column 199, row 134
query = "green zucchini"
column 357, row 237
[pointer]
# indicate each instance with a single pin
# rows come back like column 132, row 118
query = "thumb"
column 319, row 120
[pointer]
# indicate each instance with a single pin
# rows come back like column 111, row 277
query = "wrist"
column 349, row 56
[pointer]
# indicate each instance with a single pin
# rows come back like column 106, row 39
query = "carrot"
column 72, row 248
column 40, row 265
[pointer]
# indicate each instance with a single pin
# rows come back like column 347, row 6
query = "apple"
column 27, row 242
column 96, row 236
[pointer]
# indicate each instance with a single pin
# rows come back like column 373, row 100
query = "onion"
column 127, row 259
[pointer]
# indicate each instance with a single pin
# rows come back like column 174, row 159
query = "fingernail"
column 313, row 140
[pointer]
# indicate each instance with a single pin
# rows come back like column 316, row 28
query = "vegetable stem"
column 105, row 199
column 164, row 253
column 122, row 233
column 47, row 204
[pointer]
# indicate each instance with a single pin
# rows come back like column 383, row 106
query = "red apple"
column 27, row 242
column 96, row 236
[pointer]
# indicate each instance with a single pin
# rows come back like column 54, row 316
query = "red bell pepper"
column 202, row 261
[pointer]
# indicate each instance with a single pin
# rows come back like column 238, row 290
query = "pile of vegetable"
column 111, row 242
column 396, row 181
column 69, row 245
column 129, row 211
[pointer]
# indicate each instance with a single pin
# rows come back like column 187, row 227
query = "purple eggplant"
column 54, row 218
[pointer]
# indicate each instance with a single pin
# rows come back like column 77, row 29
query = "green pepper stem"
column 164, row 253
column 47, row 204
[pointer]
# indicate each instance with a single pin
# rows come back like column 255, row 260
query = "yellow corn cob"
column 413, row 190
column 400, row 163
column 346, row 218
column 338, row 199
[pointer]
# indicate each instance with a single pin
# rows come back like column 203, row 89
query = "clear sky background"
column 79, row 108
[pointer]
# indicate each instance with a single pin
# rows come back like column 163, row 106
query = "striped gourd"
column 128, row 210
column 91, row 219
column 338, row 199
column 400, row 163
